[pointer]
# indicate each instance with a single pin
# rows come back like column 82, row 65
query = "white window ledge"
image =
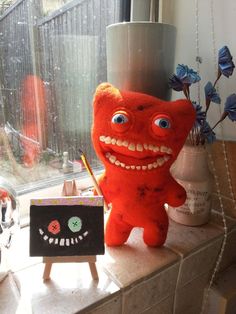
column 132, row 279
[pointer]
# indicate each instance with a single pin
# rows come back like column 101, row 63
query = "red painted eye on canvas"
column 120, row 121
column 54, row 227
column 161, row 125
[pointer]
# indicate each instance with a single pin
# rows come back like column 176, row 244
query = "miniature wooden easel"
column 70, row 189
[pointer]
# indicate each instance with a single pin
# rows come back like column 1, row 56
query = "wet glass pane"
column 52, row 57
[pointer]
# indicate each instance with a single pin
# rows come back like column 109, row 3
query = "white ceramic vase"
column 140, row 57
column 191, row 170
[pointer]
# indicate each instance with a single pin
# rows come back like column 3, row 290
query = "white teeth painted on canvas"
column 62, row 241
column 51, row 240
column 85, row 233
column 139, row 148
column 41, row 231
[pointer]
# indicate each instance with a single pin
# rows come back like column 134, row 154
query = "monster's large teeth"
column 139, row 147
column 108, row 140
column 112, row 159
column 162, row 161
column 131, row 147
column 119, row 142
column 102, row 138
column 166, row 158
column 164, row 149
column 150, row 147
column 158, row 163
column 153, row 148
column 113, row 141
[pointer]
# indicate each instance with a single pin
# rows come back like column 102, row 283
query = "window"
column 52, row 57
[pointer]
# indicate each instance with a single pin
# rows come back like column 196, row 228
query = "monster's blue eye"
column 121, row 121
column 163, row 123
column 119, row 118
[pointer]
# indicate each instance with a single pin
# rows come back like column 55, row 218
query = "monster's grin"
column 134, row 156
column 60, row 241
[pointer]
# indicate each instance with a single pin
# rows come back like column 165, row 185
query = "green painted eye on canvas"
column 75, row 224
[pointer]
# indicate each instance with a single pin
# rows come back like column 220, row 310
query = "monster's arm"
column 176, row 194
column 102, row 182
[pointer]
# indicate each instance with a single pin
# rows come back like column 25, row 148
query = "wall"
column 182, row 14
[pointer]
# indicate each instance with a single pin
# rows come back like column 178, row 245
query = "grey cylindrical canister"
column 140, row 57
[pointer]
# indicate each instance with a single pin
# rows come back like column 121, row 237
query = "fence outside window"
column 49, row 69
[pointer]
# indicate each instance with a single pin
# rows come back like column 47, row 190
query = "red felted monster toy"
column 137, row 137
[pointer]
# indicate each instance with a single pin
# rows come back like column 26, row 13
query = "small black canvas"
column 67, row 226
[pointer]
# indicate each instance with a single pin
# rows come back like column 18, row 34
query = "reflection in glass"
column 9, row 218
column 50, row 65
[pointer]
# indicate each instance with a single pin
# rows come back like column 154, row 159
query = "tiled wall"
column 217, row 150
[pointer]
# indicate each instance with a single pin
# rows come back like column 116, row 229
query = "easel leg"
column 47, row 270
column 93, row 270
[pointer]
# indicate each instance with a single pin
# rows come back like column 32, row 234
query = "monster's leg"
column 155, row 232
column 117, row 230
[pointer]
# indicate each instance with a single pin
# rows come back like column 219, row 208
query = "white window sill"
column 132, row 278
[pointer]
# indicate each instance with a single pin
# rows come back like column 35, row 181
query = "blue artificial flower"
column 226, row 65
column 207, row 134
column 175, row 83
column 200, row 115
column 211, row 94
column 187, row 75
column 230, row 107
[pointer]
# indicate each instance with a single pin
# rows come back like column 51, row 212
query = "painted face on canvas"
column 58, row 230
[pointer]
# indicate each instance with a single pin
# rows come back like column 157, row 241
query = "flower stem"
column 186, row 91
column 217, row 79
column 208, row 101
column 224, row 115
